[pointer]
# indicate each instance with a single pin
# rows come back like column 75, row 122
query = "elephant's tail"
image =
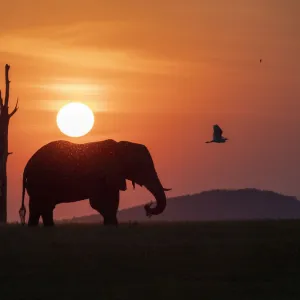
column 22, row 211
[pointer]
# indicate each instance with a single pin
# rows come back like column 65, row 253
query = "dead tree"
column 4, row 122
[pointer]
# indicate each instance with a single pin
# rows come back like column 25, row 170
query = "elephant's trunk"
column 158, row 192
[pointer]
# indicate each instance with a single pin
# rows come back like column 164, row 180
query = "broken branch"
column 7, row 67
column 15, row 109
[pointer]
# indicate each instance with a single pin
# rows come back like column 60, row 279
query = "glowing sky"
column 161, row 73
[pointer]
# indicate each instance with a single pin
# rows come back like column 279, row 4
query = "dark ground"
column 228, row 260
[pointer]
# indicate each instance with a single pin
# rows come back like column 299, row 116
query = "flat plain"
column 204, row 260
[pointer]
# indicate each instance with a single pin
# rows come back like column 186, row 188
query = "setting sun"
column 75, row 119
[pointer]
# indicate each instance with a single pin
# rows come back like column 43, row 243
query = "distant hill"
column 216, row 205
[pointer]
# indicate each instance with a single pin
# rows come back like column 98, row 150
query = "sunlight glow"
column 85, row 89
column 94, row 95
column 75, row 119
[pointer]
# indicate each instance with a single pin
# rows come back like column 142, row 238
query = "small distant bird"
column 260, row 60
column 217, row 135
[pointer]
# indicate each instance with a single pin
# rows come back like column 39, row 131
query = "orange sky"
column 160, row 73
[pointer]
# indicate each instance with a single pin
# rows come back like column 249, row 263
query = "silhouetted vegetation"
column 218, row 260
column 4, row 123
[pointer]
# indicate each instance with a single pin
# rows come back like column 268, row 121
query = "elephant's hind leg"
column 47, row 217
column 34, row 214
column 47, row 212
column 107, row 205
column 34, row 218
column 40, row 206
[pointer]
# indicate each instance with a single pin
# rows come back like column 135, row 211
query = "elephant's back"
column 54, row 152
column 67, row 157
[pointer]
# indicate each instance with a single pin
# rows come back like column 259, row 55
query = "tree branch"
column 14, row 110
column 9, row 153
column 6, row 85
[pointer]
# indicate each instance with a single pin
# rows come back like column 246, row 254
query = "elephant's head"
column 138, row 167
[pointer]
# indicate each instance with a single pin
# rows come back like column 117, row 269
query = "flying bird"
column 217, row 135
column 260, row 60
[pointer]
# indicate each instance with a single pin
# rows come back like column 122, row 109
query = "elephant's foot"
column 33, row 219
column 32, row 225
column 49, row 224
column 110, row 222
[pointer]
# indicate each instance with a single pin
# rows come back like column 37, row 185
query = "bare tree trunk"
column 4, row 122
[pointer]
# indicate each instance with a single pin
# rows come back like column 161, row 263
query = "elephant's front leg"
column 107, row 205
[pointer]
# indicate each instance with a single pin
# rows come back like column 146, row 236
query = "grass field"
column 221, row 260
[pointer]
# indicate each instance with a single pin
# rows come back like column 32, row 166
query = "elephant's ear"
column 116, row 179
column 114, row 175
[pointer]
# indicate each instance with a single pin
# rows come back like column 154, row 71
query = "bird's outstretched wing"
column 217, row 132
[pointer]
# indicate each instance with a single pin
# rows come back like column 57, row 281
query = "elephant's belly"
column 65, row 196
column 64, row 192
column 76, row 192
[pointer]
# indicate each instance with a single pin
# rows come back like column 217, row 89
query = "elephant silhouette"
column 64, row 172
